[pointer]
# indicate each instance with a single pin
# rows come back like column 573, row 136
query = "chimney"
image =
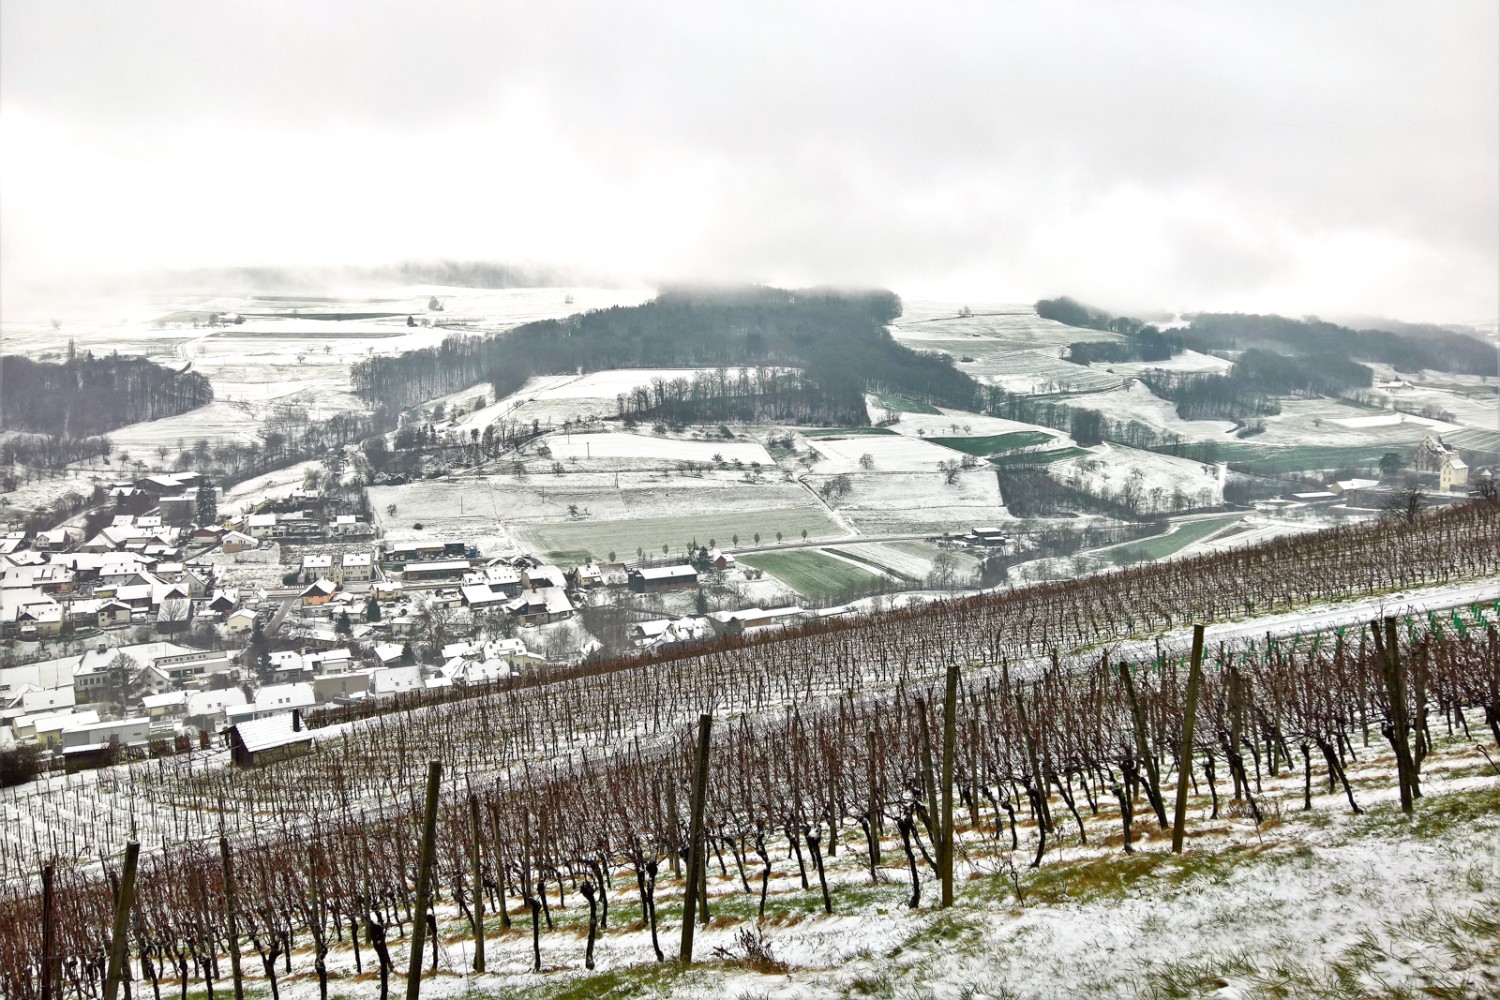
column 296, row 720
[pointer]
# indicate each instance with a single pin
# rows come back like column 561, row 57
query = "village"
column 167, row 648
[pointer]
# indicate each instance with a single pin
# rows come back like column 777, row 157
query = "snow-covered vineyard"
column 827, row 735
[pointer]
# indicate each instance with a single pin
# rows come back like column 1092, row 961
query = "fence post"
column 697, row 856
column 118, row 939
column 234, row 927
column 48, row 871
column 1185, row 751
column 478, row 884
column 950, row 710
column 424, row 881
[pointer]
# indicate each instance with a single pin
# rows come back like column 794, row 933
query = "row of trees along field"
column 826, row 741
column 839, row 339
column 86, row 396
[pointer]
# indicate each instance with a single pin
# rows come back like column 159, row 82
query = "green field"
column 900, row 404
column 1166, row 544
column 1270, row 460
column 1045, row 457
column 838, row 432
column 812, row 573
column 983, row 447
column 570, row 543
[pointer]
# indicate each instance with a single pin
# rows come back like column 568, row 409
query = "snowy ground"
column 1113, row 468
column 594, row 513
column 888, row 452
column 551, row 400
column 898, row 503
column 1136, row 402
column 645, row 446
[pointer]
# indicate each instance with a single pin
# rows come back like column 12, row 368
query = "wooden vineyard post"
column 697, row 855
column 118, row 937
column 945, row 855
column 424, row 881
column 1185, row 751
column 234, row 927
column 478, row 884
column 1395, row 684
column 48, row 937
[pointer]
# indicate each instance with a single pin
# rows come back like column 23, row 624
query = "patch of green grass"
column 812, row 573
column 1271, row 460
column 982, row 447
column 1166, row 544
column 838, row 432
column 1046, row 457
column 900, row 404
column 658, row 979
column 1432, row 815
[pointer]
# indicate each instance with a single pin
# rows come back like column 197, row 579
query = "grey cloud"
column 1039, row 148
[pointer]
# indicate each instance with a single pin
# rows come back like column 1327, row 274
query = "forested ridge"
column 838, row 339
column 90, row 395
column 1412, row 348
column 1432, row 349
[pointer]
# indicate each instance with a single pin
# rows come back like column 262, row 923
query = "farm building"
column 658, row 578
column 538, row 577
column 127, row 732
column 536, row 607
column 402, row 552
column 501, row 579
column 443, row 569
column 737, row 622
column 266, row 741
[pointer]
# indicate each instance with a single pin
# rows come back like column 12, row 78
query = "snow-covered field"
column 961, row 423
column 1113, row 468
column 889, row 452
column 922, row 503
column 553, row 399
column 925, row 325
column 1136, row 402
column 238, row 498
column 597, row 512
column 1187, row 361
column 663, row 449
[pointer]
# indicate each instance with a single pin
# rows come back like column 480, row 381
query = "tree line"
column 88, row 396
column 838, row 339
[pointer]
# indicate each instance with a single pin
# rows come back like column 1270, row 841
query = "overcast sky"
column 1327, row 157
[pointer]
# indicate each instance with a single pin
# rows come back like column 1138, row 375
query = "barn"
column 266, row 741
